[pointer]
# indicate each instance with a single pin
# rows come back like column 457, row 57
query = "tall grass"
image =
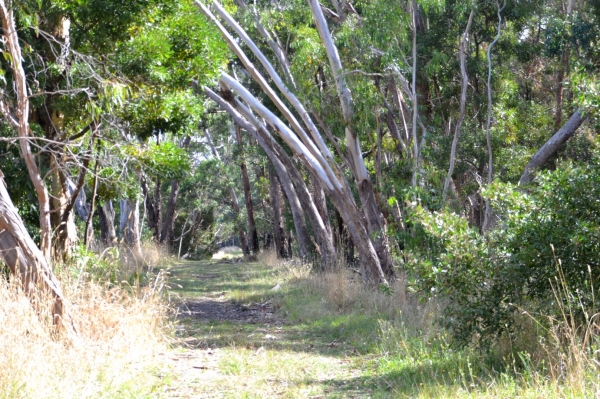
column 119, row 330
column 409, row 355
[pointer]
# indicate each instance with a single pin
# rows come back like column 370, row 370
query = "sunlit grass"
column 228, row 253
column 344, row 339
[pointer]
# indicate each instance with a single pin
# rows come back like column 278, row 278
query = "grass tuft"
column 120, row 330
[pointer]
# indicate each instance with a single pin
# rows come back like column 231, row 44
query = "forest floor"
column 234, row 343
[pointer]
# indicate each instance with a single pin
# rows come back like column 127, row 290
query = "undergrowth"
column 119, row 330
column 405, row 353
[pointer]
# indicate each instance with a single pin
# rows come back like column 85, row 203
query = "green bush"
column 547, row 239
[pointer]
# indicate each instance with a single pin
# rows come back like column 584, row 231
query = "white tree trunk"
column 464, row 79
column 315, row 156
column 487, row 220
column 296, row 190
column 20, row 119
column 371, row 211
column 342, row 198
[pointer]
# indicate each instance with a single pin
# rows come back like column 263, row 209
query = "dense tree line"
column 451, row 142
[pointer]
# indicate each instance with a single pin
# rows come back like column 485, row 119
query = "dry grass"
column 119, row 332
column 411, row 355
column 343, row 291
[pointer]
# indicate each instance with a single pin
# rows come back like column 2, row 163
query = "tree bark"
column 108, row 234
column 25, row 261
column 552, row 146
column 254, row 247
column 130, row 225
column 276, row 204
column 20, row 119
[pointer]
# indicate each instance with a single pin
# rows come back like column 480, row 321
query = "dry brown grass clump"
column 119, row 331
column 343, row 290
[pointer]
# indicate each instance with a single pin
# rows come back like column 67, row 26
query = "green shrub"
column 547, row 239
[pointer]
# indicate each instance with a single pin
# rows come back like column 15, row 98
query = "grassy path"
column 329, row 336
column 237, row 342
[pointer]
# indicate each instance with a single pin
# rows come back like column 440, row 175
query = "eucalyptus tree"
column 315, row 154
column 25, row 260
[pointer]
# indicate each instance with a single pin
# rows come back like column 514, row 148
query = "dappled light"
column 299, row 199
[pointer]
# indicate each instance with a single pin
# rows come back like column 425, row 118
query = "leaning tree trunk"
column 373, row 216
column 551, row 146
column 300, row 199
column 287, row 171
column 309, row 148
column 298, row 214
column 25, row 261
column 321, row 203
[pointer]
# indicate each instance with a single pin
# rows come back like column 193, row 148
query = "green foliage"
column 86, row 265
column 167, row 159
column 547, row 239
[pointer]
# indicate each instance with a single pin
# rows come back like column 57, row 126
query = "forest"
column 423, row 173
